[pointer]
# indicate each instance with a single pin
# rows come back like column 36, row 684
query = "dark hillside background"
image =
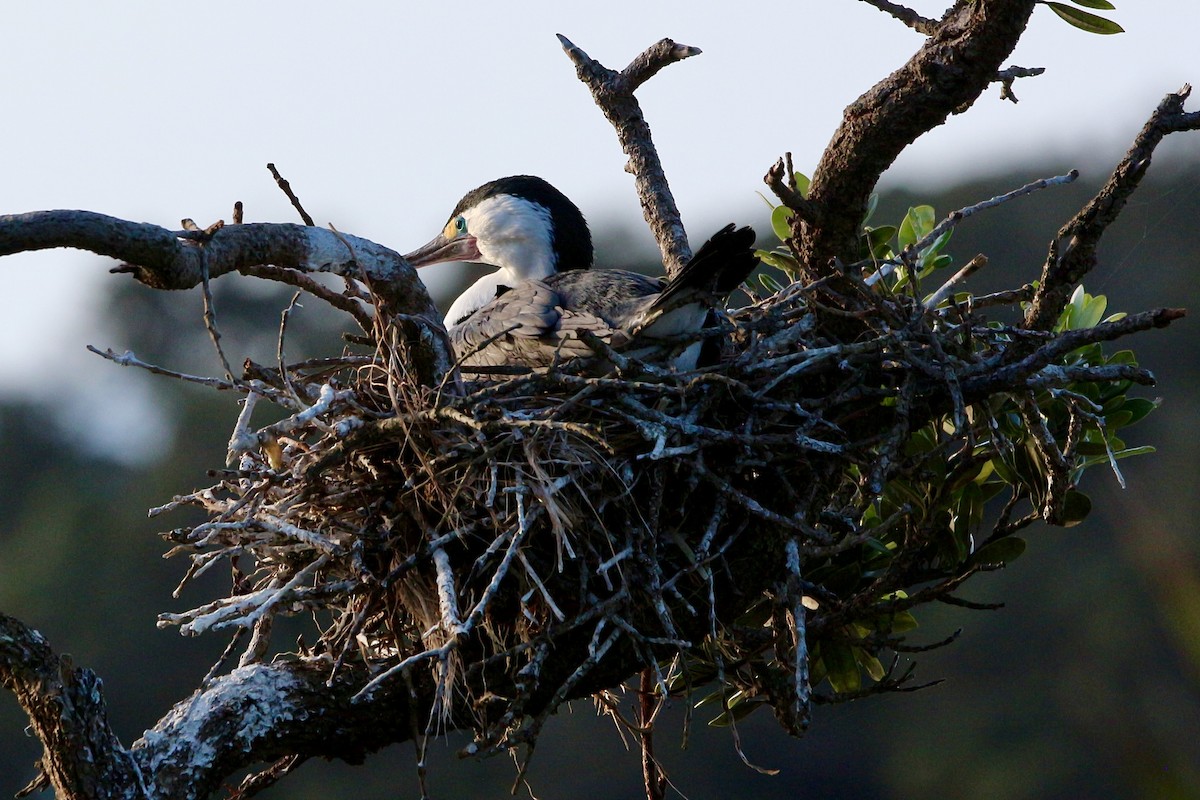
column 1086, row 685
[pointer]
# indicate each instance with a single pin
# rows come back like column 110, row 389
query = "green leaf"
column 1102, row 457
column 841, row 667
column 1118, row 419
column 903, row 621
column 891, row 622
column 780, row 261
column 769, row 283
column 739, row 709
column 1139, row 407
column 1103, row 5
column 991, row 489
column 715, row 697
column 970, row 504
column 1004, row 471
column 1092, row 311
column 870, row 664
column 872, row 204
column 1085, row 21
column 694, row 674
column 1001, row 551
column 878, row 239
column 1076, row 507
column 816, row 671
column 900, row 492
column 917, row 223
column 781, row 222
column 1075, row 307
column 877, row 546
column 756, row 616
column 1122, row 357
column 802, row 184
column 930, row 253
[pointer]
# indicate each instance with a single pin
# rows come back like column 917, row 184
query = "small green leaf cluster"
column 1112, row 408
column 780, row 258
column 1084, row 20
column 1014, row 449
column 901, row 252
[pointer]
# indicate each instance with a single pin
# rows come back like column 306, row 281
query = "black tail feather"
column 718, row 267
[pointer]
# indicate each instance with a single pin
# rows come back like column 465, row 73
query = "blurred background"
column 1087, row 684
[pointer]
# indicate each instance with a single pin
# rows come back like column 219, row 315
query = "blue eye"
column 460, row 225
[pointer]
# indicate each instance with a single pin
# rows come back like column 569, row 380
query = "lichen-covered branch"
column 164, row 259
column 262, row 712
column 82, row 758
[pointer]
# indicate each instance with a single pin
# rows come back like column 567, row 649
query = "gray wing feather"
column 531, row 324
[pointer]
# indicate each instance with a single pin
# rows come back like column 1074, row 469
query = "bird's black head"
column 569, row 237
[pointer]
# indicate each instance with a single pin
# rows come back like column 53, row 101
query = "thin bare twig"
column 1007, row 76
column 970, row 268
column 291, row 196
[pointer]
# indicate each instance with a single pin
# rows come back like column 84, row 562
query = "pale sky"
column 382, row 114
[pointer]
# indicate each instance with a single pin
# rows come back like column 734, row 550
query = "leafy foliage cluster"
column 1086, row 21
column 942, row 500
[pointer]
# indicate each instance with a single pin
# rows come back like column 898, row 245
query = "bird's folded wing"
column 526, row 325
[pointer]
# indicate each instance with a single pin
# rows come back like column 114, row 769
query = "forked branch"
column 83, row 760
column 1073, row 252
column 613, row 93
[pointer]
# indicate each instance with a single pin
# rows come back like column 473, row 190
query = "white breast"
column 482, row 292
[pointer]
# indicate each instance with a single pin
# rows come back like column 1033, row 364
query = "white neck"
column 513, row 234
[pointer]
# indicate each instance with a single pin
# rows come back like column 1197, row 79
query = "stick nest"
column 764, row 525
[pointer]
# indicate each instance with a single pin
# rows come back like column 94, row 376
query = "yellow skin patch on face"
column 455, row 228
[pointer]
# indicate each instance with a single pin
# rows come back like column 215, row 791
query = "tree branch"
column 779, row 182
column 906, row 15
column 989, row 377
column 1007, row 76
column 955, row 65
column 264, row 712
column 163, row 259
column 613, row 93
column 1073, row 252
column 83, row 759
